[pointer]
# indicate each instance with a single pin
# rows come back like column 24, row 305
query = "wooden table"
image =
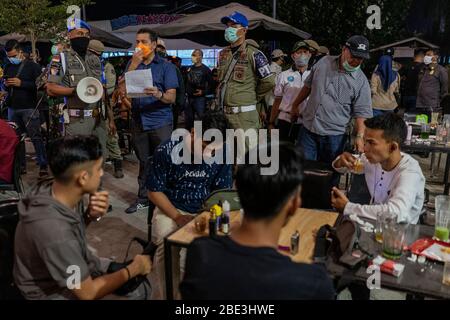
column 305, row 221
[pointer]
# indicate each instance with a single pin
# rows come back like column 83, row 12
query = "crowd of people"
column 323, row 105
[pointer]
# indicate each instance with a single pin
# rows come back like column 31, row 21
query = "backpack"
column 341, row 243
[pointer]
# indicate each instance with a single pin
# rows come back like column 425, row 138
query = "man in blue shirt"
column 152, row 115
column 178, row 189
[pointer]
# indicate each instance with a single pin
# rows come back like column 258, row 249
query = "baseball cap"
column 237, row 18
column 277, row 53
column 312, row 44
column 76, row 23
column 96, row 46
column 300, row 44
column 358, row 46
column 161, row 43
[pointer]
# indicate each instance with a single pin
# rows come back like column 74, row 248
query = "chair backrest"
column 230, row 195
column 16, row 178
column 358, row 191
column 316, row 186
column 8, row 223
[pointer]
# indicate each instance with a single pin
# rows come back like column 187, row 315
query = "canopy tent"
column 108, row 39
column 205, row 27
column 128, row 34
column 405, row 48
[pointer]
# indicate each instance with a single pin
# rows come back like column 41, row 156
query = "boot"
column 118, row 173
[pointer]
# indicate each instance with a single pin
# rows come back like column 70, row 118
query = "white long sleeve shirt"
column 399, row 191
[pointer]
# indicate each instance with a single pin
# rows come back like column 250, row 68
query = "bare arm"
column 275, row 110
column 304, row 93
column 99, row 287
column 163, row 203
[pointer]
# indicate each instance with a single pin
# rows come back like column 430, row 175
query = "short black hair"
column 393, row 126
column 69, row 151
column 435, row 51
column 215, row 120
column 418, row 52
column 12, row 44
column 152, row 34
column 262, row 196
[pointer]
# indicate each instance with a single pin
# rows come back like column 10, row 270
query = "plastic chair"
column 16, row 184
column 8, row 223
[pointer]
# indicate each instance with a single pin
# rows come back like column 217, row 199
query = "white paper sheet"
column 138, row 80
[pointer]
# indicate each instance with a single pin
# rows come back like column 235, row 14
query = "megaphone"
column 89, row 90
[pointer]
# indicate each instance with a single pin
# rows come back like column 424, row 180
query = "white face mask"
column 428, row 59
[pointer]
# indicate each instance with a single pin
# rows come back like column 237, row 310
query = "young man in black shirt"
column 21, row 74
column 198, row 85
column 247, row 265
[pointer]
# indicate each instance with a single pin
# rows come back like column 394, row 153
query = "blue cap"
column 237, row 18
column 77, row 24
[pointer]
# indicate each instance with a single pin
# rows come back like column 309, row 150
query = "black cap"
column 359, row 46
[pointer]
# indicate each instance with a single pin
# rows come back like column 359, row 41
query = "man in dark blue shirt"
column 152, row 115
column 179, row 189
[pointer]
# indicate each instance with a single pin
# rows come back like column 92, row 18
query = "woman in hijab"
column 385, row 86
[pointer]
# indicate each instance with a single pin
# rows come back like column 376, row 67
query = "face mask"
column 146, row 50
column 302, row 60
column 231, row 34
column 80, row 45
column 54, row 50
column 427, row 60
column 15, row 60
column 349, row 68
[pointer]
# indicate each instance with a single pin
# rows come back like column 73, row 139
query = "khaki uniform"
column 68, row 69
column 250, row 80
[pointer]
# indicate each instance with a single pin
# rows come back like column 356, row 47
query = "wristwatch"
column 360, row 135
column 162, row 94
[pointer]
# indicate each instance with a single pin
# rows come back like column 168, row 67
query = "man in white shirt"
column 287, row 87
column 394, row 179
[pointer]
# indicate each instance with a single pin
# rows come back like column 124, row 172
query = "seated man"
column 8, row 143
column 247, row 265
column 394, row 179
column 179, row 190
column 51, row 254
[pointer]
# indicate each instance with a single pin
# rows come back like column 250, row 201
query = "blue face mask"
column 15, row 60
column 349, row 68
column 231, row 34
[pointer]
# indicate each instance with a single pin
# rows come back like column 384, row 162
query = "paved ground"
column 111, row 236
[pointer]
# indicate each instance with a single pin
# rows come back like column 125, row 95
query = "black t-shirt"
column 410, row 77
column 25, row 96
column 199, row 78
column 220, row 269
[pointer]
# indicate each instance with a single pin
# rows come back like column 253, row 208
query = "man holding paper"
column 151, row 109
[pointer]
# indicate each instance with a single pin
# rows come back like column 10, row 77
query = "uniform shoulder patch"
column 262, row 65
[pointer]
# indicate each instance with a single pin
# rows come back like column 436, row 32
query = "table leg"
column 168, row 269
column 446, row 171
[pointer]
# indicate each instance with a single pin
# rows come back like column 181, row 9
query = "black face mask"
column 80, row 45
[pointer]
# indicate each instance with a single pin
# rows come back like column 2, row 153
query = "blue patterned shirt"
column 186, row 185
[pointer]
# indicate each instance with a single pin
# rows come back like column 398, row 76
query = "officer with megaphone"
column 76, row 76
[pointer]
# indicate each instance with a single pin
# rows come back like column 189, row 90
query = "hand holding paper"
column 137, row 81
